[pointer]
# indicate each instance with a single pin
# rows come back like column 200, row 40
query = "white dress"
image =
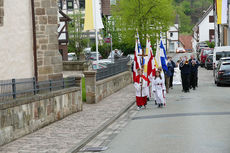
column 144, row 88
column 177, row 76
column 163, row 79
column 158, row 87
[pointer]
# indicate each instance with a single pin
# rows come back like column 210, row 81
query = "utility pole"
column 216, row 27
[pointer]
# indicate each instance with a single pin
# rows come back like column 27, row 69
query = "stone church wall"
column 49, row 58
column 16, row 45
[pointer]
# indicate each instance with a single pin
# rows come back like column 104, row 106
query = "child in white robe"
column 163, row 79
column 159, row 90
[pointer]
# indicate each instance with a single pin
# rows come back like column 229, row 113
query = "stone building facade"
column 48, row 56
column 1, row 12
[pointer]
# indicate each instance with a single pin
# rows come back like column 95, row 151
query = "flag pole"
column 95, row 20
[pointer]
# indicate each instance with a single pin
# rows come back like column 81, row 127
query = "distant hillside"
column 190, row 11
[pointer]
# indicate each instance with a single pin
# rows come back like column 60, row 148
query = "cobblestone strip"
column 63, row 135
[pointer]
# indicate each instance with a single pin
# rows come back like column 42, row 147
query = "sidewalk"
column 64, row 135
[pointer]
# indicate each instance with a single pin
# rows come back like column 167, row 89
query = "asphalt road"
column 195, row 122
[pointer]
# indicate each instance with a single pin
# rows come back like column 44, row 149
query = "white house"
column 173, row 38
column 204, row 29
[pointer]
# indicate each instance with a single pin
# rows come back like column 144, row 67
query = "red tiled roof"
column 186, row 40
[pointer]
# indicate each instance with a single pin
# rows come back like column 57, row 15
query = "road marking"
column 181, row 115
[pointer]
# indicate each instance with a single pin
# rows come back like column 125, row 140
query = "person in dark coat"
column 185, row 67
column 194, row 72
column 171, row 65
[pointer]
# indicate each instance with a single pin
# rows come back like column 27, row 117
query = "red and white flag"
column 137, row 59
column 151, row 67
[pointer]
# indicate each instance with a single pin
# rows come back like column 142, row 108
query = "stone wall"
column 108, row 86
column 24, row 116
column 1, row 13
column 76, row 66
column 49, row 58
column 97, row 90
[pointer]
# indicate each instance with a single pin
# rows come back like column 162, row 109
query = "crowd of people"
column 186, row 74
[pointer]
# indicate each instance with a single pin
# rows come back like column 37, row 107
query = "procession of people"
column 153, row 78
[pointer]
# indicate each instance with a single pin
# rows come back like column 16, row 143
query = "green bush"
column 211, row 44
column 83, row 90
column 104, row 50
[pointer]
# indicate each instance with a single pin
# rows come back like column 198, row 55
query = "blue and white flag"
column 163, row 56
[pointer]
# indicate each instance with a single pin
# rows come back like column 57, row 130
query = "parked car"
column 87, row 50
column 209, row 62
column 111, row 55
column 131, row 56
column 103, row 62
column 222, row 75
column 200, row 46
column 223, row 59
column 219, row 52
column 203, row 55
column 72, row 56
column 93, row 56
column 180, row 50
column 95, row 67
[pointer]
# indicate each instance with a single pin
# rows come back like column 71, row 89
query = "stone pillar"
column 48, row 57
column 129, row 64
column 1, row 13
column 90, row 86
column 79, row 84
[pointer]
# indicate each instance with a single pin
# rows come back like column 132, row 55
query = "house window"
column 171, row 47
column 82, row 3
column 171, row 34
column 211, row 19
column 70, row 4
column 60, row 4
column 1, row 13
column 211, row 34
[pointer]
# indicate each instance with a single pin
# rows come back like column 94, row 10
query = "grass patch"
column 83, row 90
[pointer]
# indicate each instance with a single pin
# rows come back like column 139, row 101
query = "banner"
column 92, row 15
column 222, row 8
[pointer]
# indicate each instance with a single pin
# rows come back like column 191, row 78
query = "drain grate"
column 95, row 149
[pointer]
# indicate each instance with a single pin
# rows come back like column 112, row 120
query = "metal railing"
column 112, row 69
column 16, row 88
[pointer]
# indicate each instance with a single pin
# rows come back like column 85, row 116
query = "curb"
column 99, row 130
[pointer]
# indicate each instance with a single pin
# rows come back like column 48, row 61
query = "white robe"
column 177, row 76
column 153, row 78
column 158, row 87
column 145, row 89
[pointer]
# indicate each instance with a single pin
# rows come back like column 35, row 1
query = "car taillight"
column 220, row 72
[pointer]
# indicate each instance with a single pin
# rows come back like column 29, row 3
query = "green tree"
column 150, row 17
column 77, row 40
column 190, row 11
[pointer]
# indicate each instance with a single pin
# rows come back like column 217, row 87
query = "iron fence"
column 15, row 88
column 112, row 69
